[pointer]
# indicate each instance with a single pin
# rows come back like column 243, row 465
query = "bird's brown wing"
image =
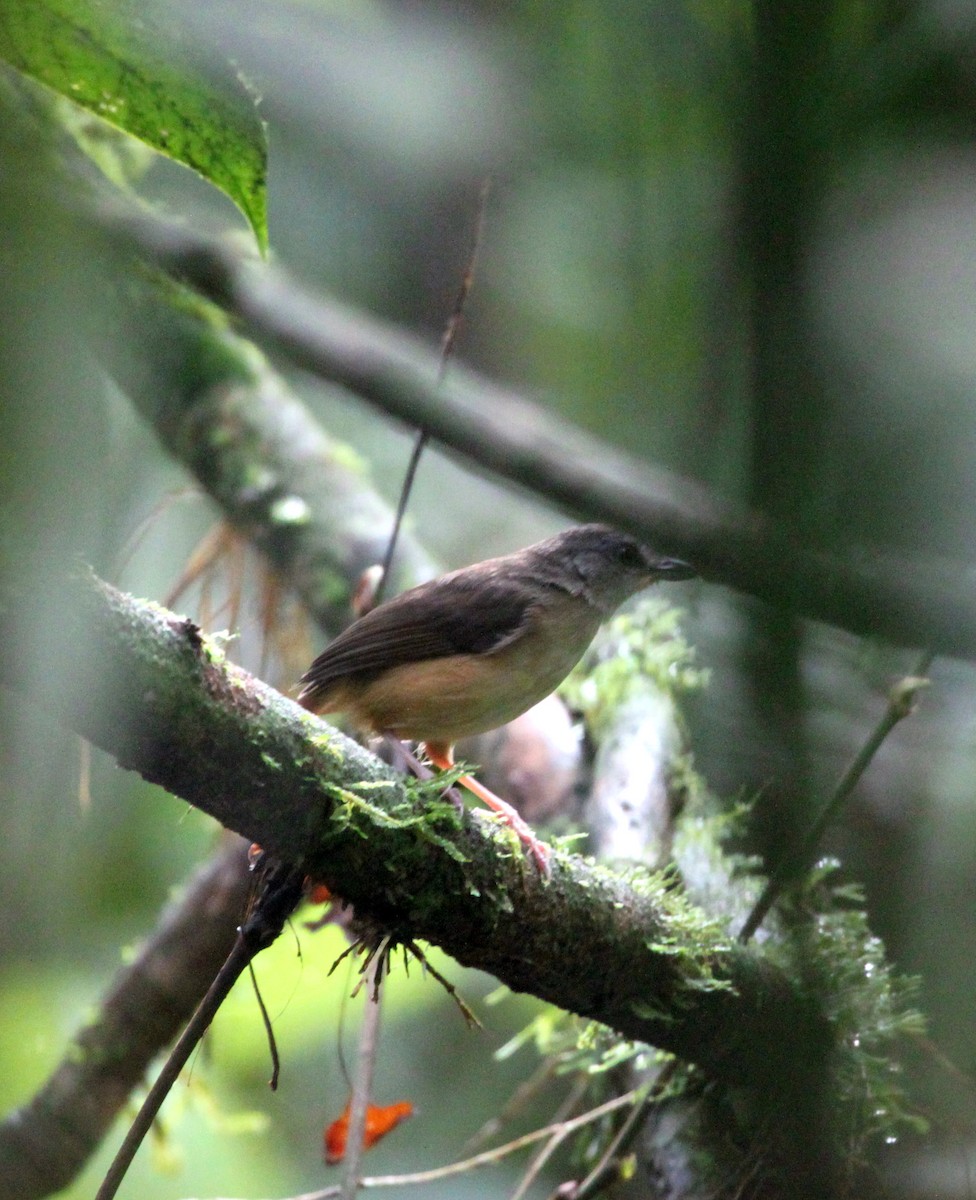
column 436, row 620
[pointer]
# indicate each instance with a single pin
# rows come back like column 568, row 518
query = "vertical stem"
column 362, row 1087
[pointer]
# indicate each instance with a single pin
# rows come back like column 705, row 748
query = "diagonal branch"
column 868, row 592
column 300, row 496
column 145, row 686
column 46, row 1142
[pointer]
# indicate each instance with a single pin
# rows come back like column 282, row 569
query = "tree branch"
column 868, row 592
column 145, row 686
column 44, row 1144
column 303, row 498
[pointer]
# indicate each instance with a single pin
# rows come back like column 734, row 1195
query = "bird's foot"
column 535, row 846
column 443, row 758
column 404, row 759
column 513, row 819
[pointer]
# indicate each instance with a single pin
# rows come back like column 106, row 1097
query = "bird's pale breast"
column 445, row 699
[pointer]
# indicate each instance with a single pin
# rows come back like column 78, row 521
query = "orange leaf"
column 380, row 1119
column 318, row 893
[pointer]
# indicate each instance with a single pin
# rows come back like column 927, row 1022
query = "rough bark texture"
column 145, row 686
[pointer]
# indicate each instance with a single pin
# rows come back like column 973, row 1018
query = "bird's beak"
column 672, row 569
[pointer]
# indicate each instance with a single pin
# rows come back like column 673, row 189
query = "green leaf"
column 121, row 60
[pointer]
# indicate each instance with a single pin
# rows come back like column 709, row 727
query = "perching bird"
column 475, row 648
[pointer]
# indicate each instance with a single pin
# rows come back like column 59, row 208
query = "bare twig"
column 487, row 1158
column 901, row 703
column 44, row 1144
column 363, row 1082
column 265, row 921
column 607, row 1167
column 447, row 348
column 538, row 1161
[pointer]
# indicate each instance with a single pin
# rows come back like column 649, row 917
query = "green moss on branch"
column 148, row 688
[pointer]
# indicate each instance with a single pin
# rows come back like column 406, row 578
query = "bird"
column 475, row 648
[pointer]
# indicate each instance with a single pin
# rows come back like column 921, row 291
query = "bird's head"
column 607, row 566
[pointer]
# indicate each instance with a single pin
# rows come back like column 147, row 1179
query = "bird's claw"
column 535, row 846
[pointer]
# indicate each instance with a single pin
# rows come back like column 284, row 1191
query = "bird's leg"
column 405, row 760
column 443, row 757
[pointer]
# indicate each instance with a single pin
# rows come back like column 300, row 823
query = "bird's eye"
column 629, row 555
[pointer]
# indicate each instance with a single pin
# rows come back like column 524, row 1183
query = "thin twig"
column 363, row 1082
column 607, row 1167
column 868, row 591
column 447, row 348
column 487, row 1158
column 261, row 928
column 901, row 703
column 268, row 1029
column 227, row 976
column 419, row 445
column 536, row 1166
column 542, row 1156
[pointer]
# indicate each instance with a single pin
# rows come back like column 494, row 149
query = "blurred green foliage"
column 738, row 239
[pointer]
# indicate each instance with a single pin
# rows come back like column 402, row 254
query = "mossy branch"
column 147, row 687
column 303, row 498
